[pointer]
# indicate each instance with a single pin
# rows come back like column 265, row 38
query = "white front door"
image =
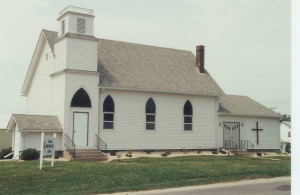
column 231, row 134
column 80, row 124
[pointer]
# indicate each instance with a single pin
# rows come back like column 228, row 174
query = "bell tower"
column 76, row 20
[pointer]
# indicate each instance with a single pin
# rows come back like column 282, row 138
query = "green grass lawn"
column 134, row 174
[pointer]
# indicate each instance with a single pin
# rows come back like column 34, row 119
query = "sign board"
column 49, row 146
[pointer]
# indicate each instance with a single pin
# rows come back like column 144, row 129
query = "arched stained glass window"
column 108, row 113
column 150, row 114
column 81, row 99
column 188, row 115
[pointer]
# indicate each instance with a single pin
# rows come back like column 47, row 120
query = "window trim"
column 104, row 112
column 190, row 116
column 150, row 114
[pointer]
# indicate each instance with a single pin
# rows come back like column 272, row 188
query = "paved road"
column 272, row 186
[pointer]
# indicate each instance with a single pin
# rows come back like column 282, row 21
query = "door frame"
column 88, row 121
column 239, row 131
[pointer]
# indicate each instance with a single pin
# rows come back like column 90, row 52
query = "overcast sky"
column 247, row 42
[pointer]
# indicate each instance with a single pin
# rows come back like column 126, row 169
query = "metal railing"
column 243, row 145
column 100, row 144
column 246, row 145
column 76, row 9
column 230, row 145
column 70, row 145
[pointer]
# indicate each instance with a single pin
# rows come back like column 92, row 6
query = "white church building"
column 111, row 95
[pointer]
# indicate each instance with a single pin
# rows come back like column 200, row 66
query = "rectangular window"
column 150, row 121
column 289, row 134
column 80, row 25
column 108, row 120
column 188, row 122
column 62, row 27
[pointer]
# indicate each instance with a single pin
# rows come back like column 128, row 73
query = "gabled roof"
column 136, row 66
column 45, row 36
column 35, row 123
column 243, row 106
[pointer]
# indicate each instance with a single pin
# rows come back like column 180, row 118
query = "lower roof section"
column 244, row 106
column 35, row 123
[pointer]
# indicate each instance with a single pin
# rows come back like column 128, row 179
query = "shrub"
column 30, row 154
column 288, row 148
column 129, row 153
column 199, row 150
column 112, row 153
column 259, row 153
column 168, row 152
column 185, row 151
column 5, row 152
column 119, row 155
column 149, row 151
column 278, row 152
column 214, row 152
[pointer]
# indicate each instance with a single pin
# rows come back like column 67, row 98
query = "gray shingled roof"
column 135, row 66
column 51, row 37
column 36, row 122
column 243, row 106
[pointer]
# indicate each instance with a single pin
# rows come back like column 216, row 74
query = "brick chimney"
column 200, row 58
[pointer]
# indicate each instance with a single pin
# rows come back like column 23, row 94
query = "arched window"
column 108, row 113
column 188, row 115
column 81, row 99
column 150, row 114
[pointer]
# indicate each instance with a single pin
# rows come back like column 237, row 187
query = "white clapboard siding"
column 60, row 49
column 58, row 97
column 269, row 138
column 81, row 54
column 17, row 142
column 129, row 122
column 33, row 140
column 39, row 94
column 89, row 82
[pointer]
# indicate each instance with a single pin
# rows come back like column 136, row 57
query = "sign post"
column 53, row 154
column 42, row 150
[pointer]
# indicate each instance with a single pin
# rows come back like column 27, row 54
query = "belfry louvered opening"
column 80, row 25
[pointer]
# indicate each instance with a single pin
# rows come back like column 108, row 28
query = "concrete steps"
column 89, row 155
column 240, row 153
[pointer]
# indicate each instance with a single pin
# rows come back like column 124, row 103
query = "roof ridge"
column 33, row 115
column 144, row 45
column 233, row 95
column 161, row 47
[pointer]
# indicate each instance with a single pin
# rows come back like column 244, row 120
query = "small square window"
column 108, row 117
column 188, row 127
column 108, row 125
column 150, row 126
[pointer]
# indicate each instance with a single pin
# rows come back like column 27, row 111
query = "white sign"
column 49, row 146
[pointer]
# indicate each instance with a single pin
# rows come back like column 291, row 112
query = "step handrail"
column 100, row 144
column 70, row 145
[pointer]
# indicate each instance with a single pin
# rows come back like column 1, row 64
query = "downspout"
column 99, row 114
column 216, row 123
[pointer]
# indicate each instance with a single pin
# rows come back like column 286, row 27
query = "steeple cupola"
column 76, row 20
